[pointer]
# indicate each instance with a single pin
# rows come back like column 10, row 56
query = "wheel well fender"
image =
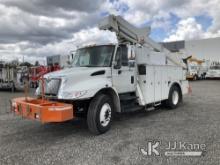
column 111, row 92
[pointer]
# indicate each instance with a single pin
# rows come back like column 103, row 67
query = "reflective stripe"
column 59, row 108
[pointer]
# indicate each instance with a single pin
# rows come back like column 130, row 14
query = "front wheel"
column 175, row 97
column 99, row 116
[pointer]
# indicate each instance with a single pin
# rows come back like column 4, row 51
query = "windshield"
column 193, row 67
column 96, row 56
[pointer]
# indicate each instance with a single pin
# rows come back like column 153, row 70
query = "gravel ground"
column 197, row 120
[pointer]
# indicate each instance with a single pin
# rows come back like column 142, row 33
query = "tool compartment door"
column 157, row 83
column 150, row 85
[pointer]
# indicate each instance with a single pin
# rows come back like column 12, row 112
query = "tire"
column 195, row 77
column 99, row 116
column 174, row 98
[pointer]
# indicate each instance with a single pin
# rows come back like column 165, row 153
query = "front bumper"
column 42, row 110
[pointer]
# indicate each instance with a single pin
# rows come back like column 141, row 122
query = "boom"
column 126, row 32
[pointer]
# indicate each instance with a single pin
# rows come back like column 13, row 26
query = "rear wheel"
column 99, row 116
column 175, row 97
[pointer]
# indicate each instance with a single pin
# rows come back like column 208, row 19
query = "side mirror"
column 117, row 64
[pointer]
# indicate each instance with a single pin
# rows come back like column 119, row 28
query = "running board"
column 152, row 106
column 150, row 109
column 157, row 104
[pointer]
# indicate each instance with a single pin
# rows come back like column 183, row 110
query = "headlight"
column 51, row 87
column 79, row 93
column 72, row 95
column 67, row 94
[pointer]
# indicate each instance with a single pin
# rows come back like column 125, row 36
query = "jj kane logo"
column 153, row 148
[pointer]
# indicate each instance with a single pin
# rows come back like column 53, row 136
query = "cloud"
column 93, row 36
column 82, row 38
column 37, row 28
column 189, row 29
column 33, row 28
column 53, row 8
column 142, row 11
column 17, row 26
column 158, row 13
column 186, row 29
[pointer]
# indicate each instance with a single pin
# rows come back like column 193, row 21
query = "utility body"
column 135, row 74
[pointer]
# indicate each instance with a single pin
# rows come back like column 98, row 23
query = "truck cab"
column 102, row 66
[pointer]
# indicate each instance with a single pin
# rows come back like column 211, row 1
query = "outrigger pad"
column 42, row 110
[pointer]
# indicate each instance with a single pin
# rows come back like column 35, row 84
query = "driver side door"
column 123, row 76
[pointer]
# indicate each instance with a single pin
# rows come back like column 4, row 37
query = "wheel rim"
column 105, row 114
column 175, row 97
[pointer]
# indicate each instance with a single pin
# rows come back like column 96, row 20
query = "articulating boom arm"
column 126, row 32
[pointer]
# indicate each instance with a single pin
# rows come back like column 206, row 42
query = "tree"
column 36, row 63
column 26, row 64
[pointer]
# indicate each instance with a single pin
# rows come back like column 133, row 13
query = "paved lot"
column 196, row 121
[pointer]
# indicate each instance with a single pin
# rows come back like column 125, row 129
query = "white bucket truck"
column 134, row 74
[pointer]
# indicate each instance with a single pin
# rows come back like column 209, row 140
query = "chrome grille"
column 51, row 86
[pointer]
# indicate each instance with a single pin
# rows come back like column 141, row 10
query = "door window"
column 124, row 59
column 122, row 55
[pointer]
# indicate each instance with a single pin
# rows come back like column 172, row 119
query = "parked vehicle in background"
column 196, row 69
column 13, row 77
column 214, row 71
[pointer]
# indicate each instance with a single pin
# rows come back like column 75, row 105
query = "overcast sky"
column 37, row 28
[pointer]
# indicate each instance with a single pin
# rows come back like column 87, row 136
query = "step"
column 127, row 98
column 131, row 108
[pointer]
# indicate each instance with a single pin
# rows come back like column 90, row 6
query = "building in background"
column 207, row 49
column 206, row 55
column 62, row 61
